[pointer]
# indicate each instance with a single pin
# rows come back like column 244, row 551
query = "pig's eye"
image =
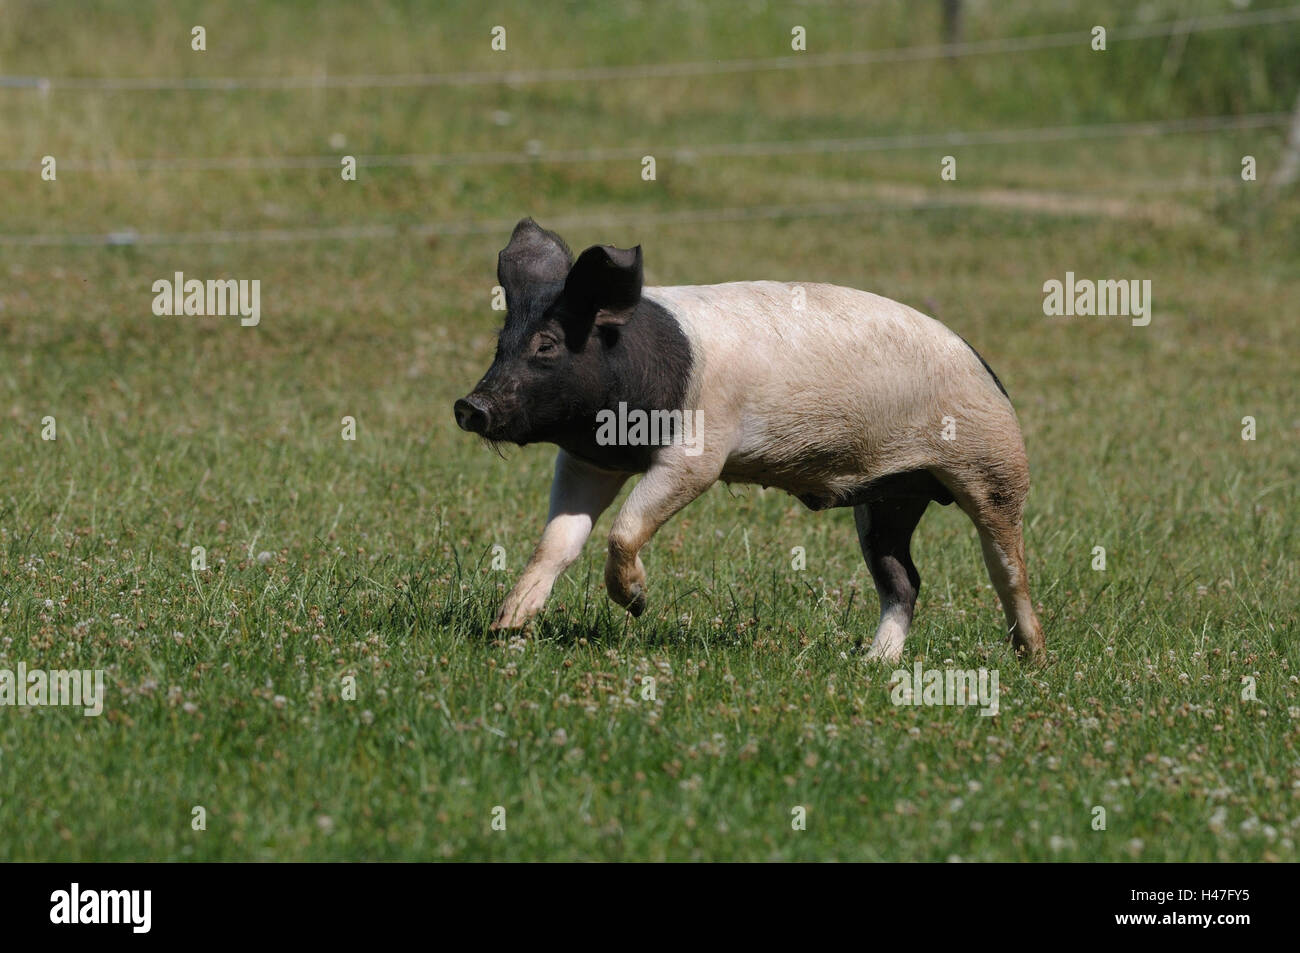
column 545, row 347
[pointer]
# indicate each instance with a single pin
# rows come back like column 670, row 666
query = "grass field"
column 373, row 558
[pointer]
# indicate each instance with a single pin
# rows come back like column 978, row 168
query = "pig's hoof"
column 887, row 646
column 1031, row 655
column 514, row 624
column 888, row 654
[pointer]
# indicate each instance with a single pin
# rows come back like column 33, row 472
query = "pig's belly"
column 823, row 477
column 849, row 491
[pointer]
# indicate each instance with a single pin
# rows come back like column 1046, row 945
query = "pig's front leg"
column 672, row 481
column 579, row 494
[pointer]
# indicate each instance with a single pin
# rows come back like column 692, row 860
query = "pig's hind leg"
column 1003, row 544
column 993, row 495
column 885, row 533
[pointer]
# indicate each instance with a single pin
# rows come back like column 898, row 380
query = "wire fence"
column 1069, row 204
column 794, row 61
column 1014, row 136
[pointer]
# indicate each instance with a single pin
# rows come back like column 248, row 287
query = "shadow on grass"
column 467, row 612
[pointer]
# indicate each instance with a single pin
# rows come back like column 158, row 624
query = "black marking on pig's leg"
column 885, row 530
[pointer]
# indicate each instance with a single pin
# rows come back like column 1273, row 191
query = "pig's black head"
column 578, row 337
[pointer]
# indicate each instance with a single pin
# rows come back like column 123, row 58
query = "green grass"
column 225, row 686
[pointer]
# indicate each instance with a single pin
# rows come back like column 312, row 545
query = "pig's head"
column 562, row 354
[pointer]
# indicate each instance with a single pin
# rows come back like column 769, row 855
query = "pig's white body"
column 846, row 387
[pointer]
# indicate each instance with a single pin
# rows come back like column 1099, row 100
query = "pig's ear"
column 534, row 261
column 602, row 288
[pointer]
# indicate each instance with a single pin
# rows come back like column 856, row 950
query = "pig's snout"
column 472, row 415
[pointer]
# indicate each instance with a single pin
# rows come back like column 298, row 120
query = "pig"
column 841, row 398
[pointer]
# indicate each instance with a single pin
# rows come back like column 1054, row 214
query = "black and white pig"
column 839, row 397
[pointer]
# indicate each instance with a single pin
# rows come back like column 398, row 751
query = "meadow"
column 327, row 687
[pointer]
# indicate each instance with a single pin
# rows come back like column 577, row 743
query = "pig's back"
column 817, row 337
